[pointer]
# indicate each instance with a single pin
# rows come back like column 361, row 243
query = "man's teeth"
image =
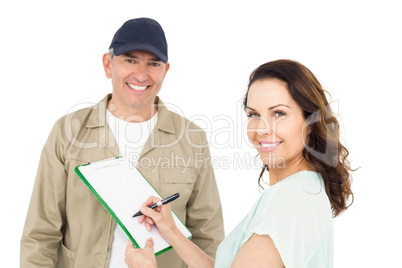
column 137, row 87
column 266, row 145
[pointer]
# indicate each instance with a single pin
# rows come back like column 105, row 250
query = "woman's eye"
column 279, row 113
column 253, row 115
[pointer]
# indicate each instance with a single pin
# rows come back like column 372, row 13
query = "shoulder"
column 300, row 184
column 76, row 119
column 78, row 115
column 183, row 128
column 294, row 213
column 177, row 120
column 92, row 116
column 299, row 195
column 67, row 128
column 181, row 120
column 189, row 133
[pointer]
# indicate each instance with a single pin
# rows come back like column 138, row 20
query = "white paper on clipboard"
column 122, row 189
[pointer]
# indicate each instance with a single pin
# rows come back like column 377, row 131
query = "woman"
column 297, row 137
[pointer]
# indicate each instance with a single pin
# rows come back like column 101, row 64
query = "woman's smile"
column 267, row 146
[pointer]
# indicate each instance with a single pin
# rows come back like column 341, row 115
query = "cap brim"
column 119, row 50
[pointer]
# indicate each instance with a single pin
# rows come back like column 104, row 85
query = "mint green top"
column 296, row 214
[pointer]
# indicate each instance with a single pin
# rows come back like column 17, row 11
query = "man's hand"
column 140, row 258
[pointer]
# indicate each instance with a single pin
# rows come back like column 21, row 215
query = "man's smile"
column 135, row 87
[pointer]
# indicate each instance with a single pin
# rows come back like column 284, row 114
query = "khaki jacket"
column 67, row 226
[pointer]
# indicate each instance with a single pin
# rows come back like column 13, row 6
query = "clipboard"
column 122, row 190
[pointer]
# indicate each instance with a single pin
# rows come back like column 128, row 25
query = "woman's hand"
column 161, row 217
column 141, row 258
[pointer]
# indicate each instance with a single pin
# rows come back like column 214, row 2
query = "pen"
column 160, row 203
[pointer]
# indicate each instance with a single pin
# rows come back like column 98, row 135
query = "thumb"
column 130, row 244
column 150, row 243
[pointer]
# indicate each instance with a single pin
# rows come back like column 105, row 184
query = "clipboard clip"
column 105, row 163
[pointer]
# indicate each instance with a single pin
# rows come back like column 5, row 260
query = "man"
column 66, row 225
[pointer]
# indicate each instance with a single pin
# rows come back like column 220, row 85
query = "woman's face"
column 275, row 123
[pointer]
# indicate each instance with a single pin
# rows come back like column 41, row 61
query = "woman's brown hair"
column 323, row 148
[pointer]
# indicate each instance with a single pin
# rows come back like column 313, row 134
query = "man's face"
column 137, row 77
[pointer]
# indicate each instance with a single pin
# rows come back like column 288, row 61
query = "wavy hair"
column 323, row 148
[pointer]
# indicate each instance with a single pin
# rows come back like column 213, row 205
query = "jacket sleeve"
column 204, row 211
column 42, row 233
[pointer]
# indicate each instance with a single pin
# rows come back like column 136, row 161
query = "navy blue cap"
column 140, row 34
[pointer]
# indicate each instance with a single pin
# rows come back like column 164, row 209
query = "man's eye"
column 130, row 60
column 154, row 64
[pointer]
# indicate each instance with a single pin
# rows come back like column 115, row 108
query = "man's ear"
column 107, row 65
column 166, row 69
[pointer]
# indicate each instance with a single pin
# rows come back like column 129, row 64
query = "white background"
column 51, row 63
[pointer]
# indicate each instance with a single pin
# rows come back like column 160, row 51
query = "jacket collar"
column 165, row 120
column 97, row 117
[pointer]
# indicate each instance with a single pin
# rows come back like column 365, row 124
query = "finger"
column 165, row 207
column 142, row 219
column 130, row 247
column 149, row 212
column 151, row 200
column 148, row 227
column 150, row 243
column 130, row 244
column 150, row 221
column 148, row 224
column 158, row 209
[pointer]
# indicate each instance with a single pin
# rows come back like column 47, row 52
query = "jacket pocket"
column 178, row 180
column 65, row 259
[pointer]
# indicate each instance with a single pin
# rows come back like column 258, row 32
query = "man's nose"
column 141, row 73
